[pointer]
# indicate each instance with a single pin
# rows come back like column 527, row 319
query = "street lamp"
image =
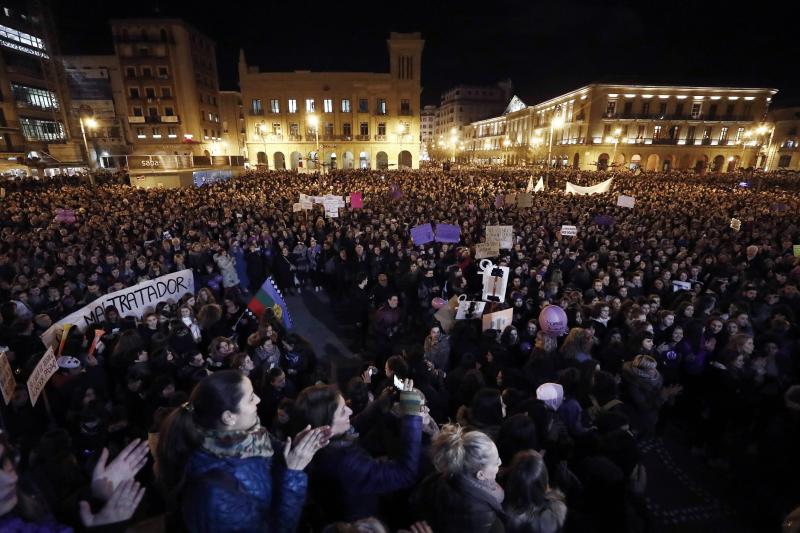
column 453, row 141
column 314, row 121
column 614, row 139
column 90, row 123
column 262, row 130
column 555, row 124
column 746, row 135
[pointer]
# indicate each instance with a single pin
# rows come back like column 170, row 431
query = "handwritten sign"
column 7, row 382
column 568, row 231
column 504, row 235
column 487, row 249
column 44, row 370
column 626, row 201
column 524, row 200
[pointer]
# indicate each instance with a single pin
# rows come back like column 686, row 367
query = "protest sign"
column 604, row 220
column 626, row 201
column 447, row 233
column 46, row 367
column 605, row 186
column 524, row 200
column 504, row 235
column 498, row 320
column 306, row 205
column 304, row 198
column 469, row 309
column 681, row 286
column 796, row 250
column 568, row 231
column 498, row 201
column 422, row 234
column 356, row 200
column 133, row 301
column 736, row 224
column 495, row 281
column 539, row 185
column 510, row 199
column 7, row 382
column 487, row 249
column 297, row 207
column 529, row 188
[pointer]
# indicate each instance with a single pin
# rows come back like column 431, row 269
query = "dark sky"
column 545, row 48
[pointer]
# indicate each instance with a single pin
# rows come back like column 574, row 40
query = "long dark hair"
column 315, row 405
column 179, row 435
column 527, row 481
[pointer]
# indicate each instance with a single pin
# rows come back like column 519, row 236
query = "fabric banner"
column 133, row 301
column 269, row 297
column 539, row 185
column 422, row 234
column 626, row 201
column 594, row 189
column 356, row 200
column 44, row 370
column 504, row 235
column 7, row 382
column 487, row 249
column 447, row 233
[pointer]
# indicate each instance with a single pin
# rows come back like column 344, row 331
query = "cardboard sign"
column 498, row 320
column 44, row 370
column 626, row 201
column 524, row 200
column 297, row 207
column 7, row 382
column 447, row 233
column 568, row 231
column 422, row 234
column 504, row 235
column 487, row 249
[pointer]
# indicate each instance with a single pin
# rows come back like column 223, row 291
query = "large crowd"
column 199, row 416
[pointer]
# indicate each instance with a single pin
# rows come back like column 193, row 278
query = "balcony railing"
column 254, row 113
column 136, row 119
column 170, row 118
column 405, row 113
column 657, row 116
column 362, row 137
column 294, row 137
column 380, row 137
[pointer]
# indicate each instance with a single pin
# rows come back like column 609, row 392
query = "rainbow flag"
column 269, row 297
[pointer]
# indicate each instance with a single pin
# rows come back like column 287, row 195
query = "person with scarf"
column 462, row 495
column 220, row 466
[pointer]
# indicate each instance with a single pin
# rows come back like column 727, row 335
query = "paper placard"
column 504, row 235
column 626, row 201
column 46, row 367
column 495, row 281
column 736, row 224
column 356, row 200
column 7, row 382
column 422, row 234
column 681, row 286
column 307, row 205
column 487, row 249
column 498, row 320
column 568, row 231
column 304, row 198
column 468, row 310
column 297, row 207
column 447, row 233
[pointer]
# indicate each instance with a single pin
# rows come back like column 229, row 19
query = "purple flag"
column 447, row 233
column 422, row 234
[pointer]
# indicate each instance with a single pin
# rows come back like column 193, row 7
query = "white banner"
column 46, row 367
column 7, row 382
column 594, row 189
column 133, row 301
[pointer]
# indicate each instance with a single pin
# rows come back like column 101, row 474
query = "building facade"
column 33, row 97
column 231, row 112
column 302, row 119
column 654, row 127
column 784, row 150
column 427, row 124
column 171, row 87
column 97, row 108
column 465, row 104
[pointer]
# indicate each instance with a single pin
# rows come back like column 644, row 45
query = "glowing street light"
column 313, row 120
column 262, row 131
column 614, row 139
column 556, row 123
column 91, row 123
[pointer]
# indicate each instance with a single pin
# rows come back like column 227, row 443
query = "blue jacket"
column 226, row 495
column 346, row 481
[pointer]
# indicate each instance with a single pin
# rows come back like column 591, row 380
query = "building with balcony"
column 358, row 120
column 464, row 104
column 427, row 125
column 171, row 87
column 784, row 151
column 234, row 134
column 654, row 127
column 97, row 105
column 34, row 130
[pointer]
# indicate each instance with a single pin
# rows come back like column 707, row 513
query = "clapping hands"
column 107, row 478
column 307, row 443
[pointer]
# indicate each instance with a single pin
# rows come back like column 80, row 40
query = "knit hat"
column 645, row 366
column 552, row 394
column 411, row 402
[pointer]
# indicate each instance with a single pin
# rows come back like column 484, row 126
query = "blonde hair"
column 456, row 451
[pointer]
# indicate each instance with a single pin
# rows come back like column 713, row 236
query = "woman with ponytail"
column 463, row 494
column 531, row 506
column 220, row 465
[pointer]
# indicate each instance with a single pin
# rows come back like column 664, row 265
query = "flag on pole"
column 269, row 297
column 539, row 185
column 529, row 188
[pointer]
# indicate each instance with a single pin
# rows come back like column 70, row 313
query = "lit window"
column 309, row 105
column 41, row 130
column 345, row 105
column 22, row 42
column 275, row 106
column 33, row 97
column 292, row 105
column 327, row 105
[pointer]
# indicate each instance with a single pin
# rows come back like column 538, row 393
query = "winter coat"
column 548, row 518
column 227, row 266
column 241, row 495
column 643, row 397
column 241, row 267
column 346, row 481
column 439, row 353
column 451, row 504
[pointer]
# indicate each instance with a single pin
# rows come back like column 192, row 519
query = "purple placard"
column 422, row 234
column 604, row 220
column 448, row 233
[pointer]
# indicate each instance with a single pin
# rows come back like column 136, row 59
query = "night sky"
column 546, row 49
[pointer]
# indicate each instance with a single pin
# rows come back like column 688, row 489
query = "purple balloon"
column 438, row 303
column 553, row 320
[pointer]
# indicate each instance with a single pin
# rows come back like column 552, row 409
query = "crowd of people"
column 199, row 416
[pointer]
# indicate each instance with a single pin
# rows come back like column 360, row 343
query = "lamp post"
column 314, row 121
column 615, row 139
column 453, row 141
column 262, row 131
column 555, row 123
column 90, row 123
